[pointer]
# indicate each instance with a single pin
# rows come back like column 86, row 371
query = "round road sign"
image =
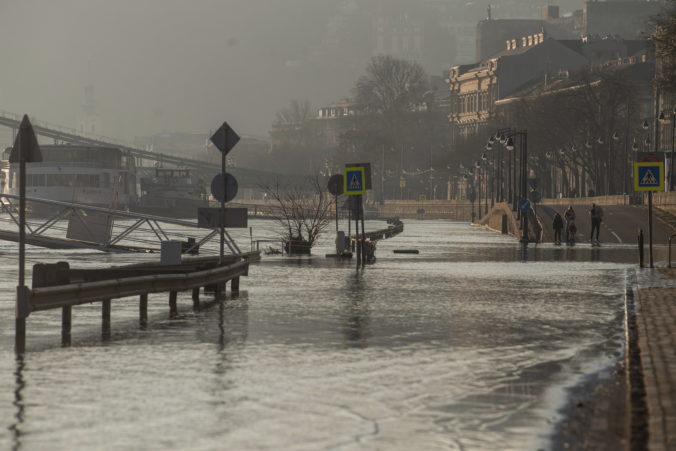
column 230, row 187
column 336, row 184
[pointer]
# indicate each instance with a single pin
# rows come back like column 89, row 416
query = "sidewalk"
column 655, row 303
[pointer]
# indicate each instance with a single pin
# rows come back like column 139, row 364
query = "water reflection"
column 20, row 408
column 356, row 312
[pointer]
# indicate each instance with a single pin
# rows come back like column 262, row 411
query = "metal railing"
column 81, row 293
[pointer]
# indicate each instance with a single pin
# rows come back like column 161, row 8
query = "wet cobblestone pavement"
column 656, row 317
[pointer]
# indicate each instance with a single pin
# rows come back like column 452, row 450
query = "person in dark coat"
column 557, row 225
column 570, row 220
column 596, row 214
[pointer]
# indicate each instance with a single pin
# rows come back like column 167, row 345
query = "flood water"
column 469, row 345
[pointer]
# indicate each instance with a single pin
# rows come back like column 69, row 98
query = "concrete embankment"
column 501, row 219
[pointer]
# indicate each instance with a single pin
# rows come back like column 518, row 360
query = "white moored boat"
column 99, row 176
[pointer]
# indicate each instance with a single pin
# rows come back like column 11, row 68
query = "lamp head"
column 616, row 136
column 509, row 143
column 645, row 125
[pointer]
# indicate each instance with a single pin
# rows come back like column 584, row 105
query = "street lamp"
column 663, row 118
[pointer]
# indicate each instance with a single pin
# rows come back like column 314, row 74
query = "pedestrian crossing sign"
column 354, row 181
column 649, row 176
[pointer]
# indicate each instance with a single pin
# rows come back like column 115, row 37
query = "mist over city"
column 337, row 224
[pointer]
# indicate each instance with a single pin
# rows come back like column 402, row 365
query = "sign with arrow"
column 649, row 176
column 354, row 180
column 225, row 138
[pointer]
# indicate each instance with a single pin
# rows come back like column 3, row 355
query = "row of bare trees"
column 580, row 136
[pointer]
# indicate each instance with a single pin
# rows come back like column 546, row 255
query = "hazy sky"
column 182, row 65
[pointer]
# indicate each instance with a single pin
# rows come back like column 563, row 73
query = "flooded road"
column 469, row 345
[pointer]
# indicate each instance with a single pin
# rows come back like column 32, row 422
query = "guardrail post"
column 65, row 325
column 143, row 309
column 105, row 319
column 234, row 287
column 173, row 309
column 196, row 297
column 640, row 248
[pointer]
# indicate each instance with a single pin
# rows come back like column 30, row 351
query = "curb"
column 637, row 424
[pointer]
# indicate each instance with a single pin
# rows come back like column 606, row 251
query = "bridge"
column 247, row 178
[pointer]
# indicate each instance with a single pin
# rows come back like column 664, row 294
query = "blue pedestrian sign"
column 524, row 205
column 354, row 181
column 649, row 176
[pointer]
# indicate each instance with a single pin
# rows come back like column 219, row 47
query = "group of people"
column 596, row 214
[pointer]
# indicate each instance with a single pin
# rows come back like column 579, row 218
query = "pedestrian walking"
column 596, row 213
column 557, row 225
column 569, row 214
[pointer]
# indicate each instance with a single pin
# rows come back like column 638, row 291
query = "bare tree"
column 391, row 86
column 580, row 129
column 304, row 213
column 663, row 38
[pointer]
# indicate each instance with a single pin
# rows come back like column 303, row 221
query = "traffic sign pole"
column 222, row 212
column 650, row 227
column 224, row 139
column 25, row 150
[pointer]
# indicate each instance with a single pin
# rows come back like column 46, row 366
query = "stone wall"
column 665, row 201
column 598, row 200
column 434, row 209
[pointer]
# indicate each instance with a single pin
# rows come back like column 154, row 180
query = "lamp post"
column 484, row 167
column 663, row 119
column 523, row 174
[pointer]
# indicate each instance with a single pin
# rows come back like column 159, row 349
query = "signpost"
column 354, row 184
column 524, row 206
column 219, row 191
column 649, row 176
column 354, row 181
column 335, row 187
column 25, row 150
column 224, row 139
column 233, row 218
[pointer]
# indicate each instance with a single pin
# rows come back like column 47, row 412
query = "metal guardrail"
column 81, row 293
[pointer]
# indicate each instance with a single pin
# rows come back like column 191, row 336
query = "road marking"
column 614, row 234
